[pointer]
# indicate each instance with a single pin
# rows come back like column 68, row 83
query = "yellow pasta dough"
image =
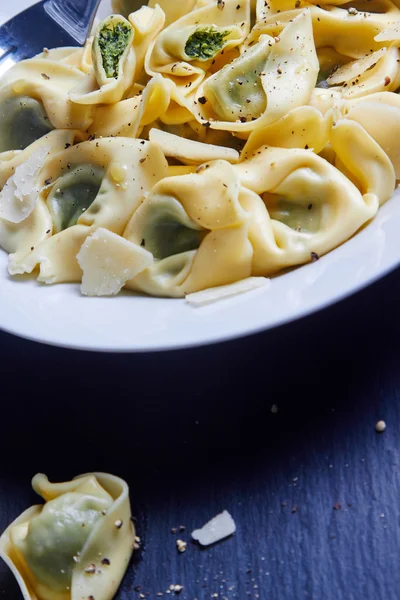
column 76, row 545
column 180, row 52
column 268, row 80
column 193, row 144
column 34, row 97
column 110, row 178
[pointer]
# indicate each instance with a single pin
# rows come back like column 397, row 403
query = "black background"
column 314, row 490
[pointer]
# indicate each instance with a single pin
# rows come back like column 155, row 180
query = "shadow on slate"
column 313, row 489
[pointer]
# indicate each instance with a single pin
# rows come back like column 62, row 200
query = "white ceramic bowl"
column 59, row 315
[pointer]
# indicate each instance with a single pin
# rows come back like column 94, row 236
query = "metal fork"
column 49, row 24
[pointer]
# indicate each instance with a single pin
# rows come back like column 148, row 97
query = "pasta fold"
column 379, row 115
column 111, row 177
column 172, row 10
column 303, row 127
column 77, row 545
column 363, row 161
column 20, row 237
column 114, row 64
column 185, row 50
column 199, row 239
column 161, row 99
column 307, row 207
column 34, row 99
column 351, row 35
column 192, row 144
column 268, row 80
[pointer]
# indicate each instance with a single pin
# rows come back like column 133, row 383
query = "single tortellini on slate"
column 34, row 100
column 262, row 85
column 114, row 64
column 75, row 546
column 185, row 50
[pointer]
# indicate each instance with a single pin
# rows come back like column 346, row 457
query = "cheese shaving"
column 108, row 261
column 219, row 528
column 226, row 291
column 390, row 34
column 356, row 68
column 189, row 151
column 19, row 195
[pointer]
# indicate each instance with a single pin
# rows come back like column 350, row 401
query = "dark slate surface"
column 193, row 433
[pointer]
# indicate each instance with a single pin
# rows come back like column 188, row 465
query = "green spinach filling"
column 23, row 120
column 58, row 534
column 205, row 43
column 236, row 92
column 166, row 232
column 72, row 194
column 113, row 41
column 303, row 215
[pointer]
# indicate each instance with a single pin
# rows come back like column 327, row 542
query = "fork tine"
column 8, row 51
column 7, row 45
column 5, row 65
column 5, row 53
column 27, row 33
column 17, row 34
column 9, row 57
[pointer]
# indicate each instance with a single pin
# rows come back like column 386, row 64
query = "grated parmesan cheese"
column 226, row 291
column 108, row 261
column 19, row 195
column 391, row 34
column 219, row 528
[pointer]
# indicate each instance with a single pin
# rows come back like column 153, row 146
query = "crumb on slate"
column 181, row 545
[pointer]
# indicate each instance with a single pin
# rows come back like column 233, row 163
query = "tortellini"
column 77, row 545
column 34, row 100
column 280, row 207
column 262, row 85
column 193, row 144
column 350, row 34
column 90, row 185
column 114, row 64
column 307, row 206
column 111, row 49
column 20, row 235
column 173, row 224
column 185, row 50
